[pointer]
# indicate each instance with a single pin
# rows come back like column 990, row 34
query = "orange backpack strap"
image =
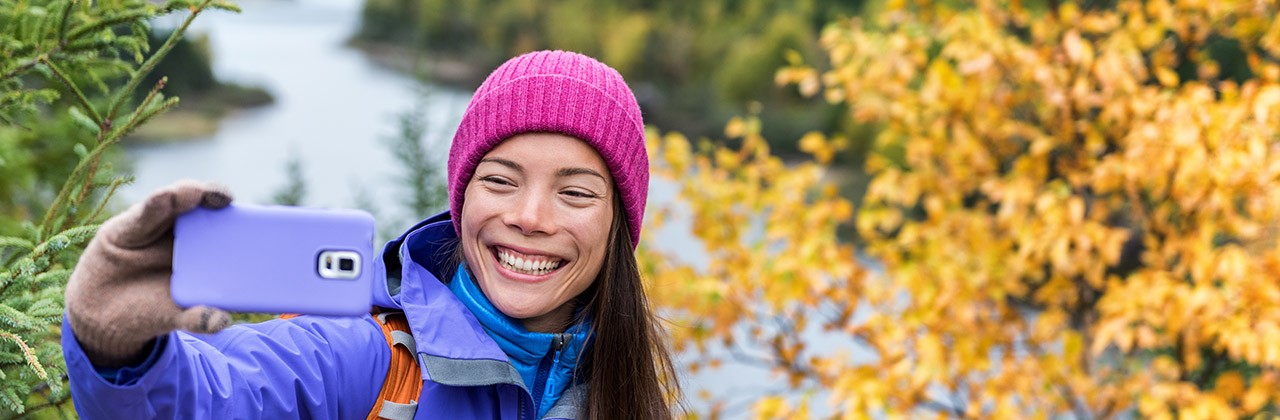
column 398, row 399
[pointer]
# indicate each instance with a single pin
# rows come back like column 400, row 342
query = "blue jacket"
column 329, row 367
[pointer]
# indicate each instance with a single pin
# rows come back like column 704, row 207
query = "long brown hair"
column 628, row 364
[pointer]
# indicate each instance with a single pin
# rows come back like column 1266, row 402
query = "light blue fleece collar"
column 525, row 349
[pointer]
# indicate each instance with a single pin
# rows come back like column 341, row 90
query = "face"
column 535, row 224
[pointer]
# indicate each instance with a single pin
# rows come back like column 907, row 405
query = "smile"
column 536, row 265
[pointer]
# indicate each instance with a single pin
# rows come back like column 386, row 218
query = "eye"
column 497, row 181
column 580, row 194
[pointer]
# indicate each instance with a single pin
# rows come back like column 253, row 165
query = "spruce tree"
column 68, row 76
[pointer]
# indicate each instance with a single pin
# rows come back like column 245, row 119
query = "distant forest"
column 693, row 65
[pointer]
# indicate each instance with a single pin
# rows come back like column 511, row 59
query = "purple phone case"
column 249, row 258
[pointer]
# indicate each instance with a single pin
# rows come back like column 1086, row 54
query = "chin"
column 520, row 312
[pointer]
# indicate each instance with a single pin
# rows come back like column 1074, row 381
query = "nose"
column 531, row 214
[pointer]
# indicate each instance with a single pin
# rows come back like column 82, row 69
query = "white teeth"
column 529, row 266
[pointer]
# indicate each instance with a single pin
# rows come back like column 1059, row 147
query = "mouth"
column 527, row 264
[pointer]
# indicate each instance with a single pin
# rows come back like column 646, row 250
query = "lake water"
column 333, row 110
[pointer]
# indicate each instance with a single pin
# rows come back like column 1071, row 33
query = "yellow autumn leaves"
column 1074, row 211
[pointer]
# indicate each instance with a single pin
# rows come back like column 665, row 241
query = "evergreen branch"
column 10, row 359
column 67, row 42
column 64, row 239
column 133, row 122
column 13, row 123
column 62, row 22
column 11, row 400
column 17, row 243
column 106, row 199
column 225, row 5
column 17, row 320
column 108, row 22
column 151, row 62
column 22, row 68
column 172, row 6
column 153, row 93
column 87, row 186
column 88, row 163
column 52, row 277
column 32, row 361
column 139, row 113
column 79, row 95
column 86, row 45
column 143, row 116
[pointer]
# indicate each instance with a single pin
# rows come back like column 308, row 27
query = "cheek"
column 471, row 219
column 477, row 208
column 593, row 233
column 592, row 227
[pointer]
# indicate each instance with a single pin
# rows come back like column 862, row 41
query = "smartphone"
column 276, row 259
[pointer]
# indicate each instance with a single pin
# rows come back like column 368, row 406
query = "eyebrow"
column 562, row 172
column 504, row 162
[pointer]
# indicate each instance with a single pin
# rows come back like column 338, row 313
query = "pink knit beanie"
column 556, row 92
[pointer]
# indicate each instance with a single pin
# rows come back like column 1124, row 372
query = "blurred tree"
column 67, row 86
column 1071, row 201
column 294, row 190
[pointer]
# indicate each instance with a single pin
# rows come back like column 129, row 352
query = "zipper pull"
column 560, row 341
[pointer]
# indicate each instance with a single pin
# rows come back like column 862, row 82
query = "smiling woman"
column 522, row 301
column 535, row 225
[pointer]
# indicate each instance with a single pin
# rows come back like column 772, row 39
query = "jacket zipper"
column 545, row 367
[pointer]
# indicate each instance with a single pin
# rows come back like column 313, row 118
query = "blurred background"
column 350, row 80
column 880, row 209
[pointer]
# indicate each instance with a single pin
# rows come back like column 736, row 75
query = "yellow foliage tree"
column 1071, row 203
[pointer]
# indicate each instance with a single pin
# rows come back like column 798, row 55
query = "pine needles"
column 76, row 63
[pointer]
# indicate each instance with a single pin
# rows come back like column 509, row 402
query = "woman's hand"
column 118, row 296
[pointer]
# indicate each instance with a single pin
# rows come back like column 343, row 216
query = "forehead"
column 551, row 151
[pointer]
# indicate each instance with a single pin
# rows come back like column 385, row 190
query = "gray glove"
column 118, row 296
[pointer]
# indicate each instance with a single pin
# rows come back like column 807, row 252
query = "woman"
column 524, row 299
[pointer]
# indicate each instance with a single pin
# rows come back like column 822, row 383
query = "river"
column 334, row 109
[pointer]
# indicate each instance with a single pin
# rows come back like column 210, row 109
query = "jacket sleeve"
column 304, row 367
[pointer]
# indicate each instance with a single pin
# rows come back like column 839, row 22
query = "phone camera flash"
column 347, row 267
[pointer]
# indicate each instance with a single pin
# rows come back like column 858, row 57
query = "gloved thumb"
column 146, row 222
column 202, row 320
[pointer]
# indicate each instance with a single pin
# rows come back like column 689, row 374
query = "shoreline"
column 199, row 115
column 442, row 69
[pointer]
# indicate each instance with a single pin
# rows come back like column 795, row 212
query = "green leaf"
column 9, row 397
column 55, row 277
column 103, row 25
column 17, row 320
column 225, row 5
column 43, row 71
column 80, row 150
column 88, row 44
column 83, row 120
column 37, row 11
column 47, row 309
column 80, row 234
column 16, row 243
column 9, row 359
column 45, row 95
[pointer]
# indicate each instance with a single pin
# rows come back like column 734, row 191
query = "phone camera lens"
column 336, row 264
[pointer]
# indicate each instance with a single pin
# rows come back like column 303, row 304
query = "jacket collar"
column 412, row 266
column 553, row 357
